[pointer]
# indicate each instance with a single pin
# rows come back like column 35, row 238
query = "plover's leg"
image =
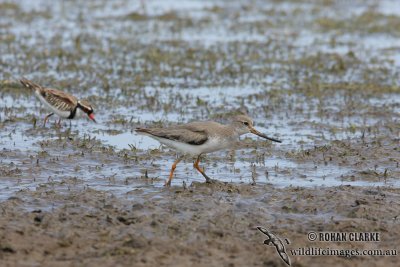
column 171, row 174
column 196, row 166
column 59, row 123
column 46, row 118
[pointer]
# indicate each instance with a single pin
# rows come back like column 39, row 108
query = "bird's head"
column 244, row 124
column 86, row 107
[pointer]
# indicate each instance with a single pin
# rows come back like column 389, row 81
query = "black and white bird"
column 63, row 104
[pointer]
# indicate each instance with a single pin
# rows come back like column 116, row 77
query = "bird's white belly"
column 212, row 145
column 63, row 114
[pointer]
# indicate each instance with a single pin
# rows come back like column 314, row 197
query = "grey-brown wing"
column 179, row 133
column 60, row 100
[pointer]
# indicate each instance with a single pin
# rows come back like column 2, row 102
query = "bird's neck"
column 73, row 112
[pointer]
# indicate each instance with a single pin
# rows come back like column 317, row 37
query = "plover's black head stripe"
column 85, row 106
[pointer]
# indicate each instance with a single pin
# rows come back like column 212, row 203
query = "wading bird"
column 63, row 104
column 198, row 138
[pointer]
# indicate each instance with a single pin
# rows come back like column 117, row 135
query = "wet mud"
column 323, row 76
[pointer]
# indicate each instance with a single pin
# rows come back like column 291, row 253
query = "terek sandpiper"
column 63, row 104
column 198, row 138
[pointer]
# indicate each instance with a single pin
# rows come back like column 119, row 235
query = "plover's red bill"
column 197, row 138
column 64, row 105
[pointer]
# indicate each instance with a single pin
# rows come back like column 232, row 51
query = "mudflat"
column 320, row 75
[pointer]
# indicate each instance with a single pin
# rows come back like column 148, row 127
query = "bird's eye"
column 246, row 123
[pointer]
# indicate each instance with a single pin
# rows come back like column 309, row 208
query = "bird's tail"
column 29, row 84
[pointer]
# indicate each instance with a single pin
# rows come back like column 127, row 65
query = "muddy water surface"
column 323, row 76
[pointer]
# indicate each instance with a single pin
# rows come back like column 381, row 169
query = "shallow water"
column 169, row 62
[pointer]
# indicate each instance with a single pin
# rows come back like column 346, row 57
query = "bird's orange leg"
column 197, row 167
column 171, row 174
column 46, row 119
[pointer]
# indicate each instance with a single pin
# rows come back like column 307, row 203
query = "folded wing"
column 60, row 100
column 189, row 134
